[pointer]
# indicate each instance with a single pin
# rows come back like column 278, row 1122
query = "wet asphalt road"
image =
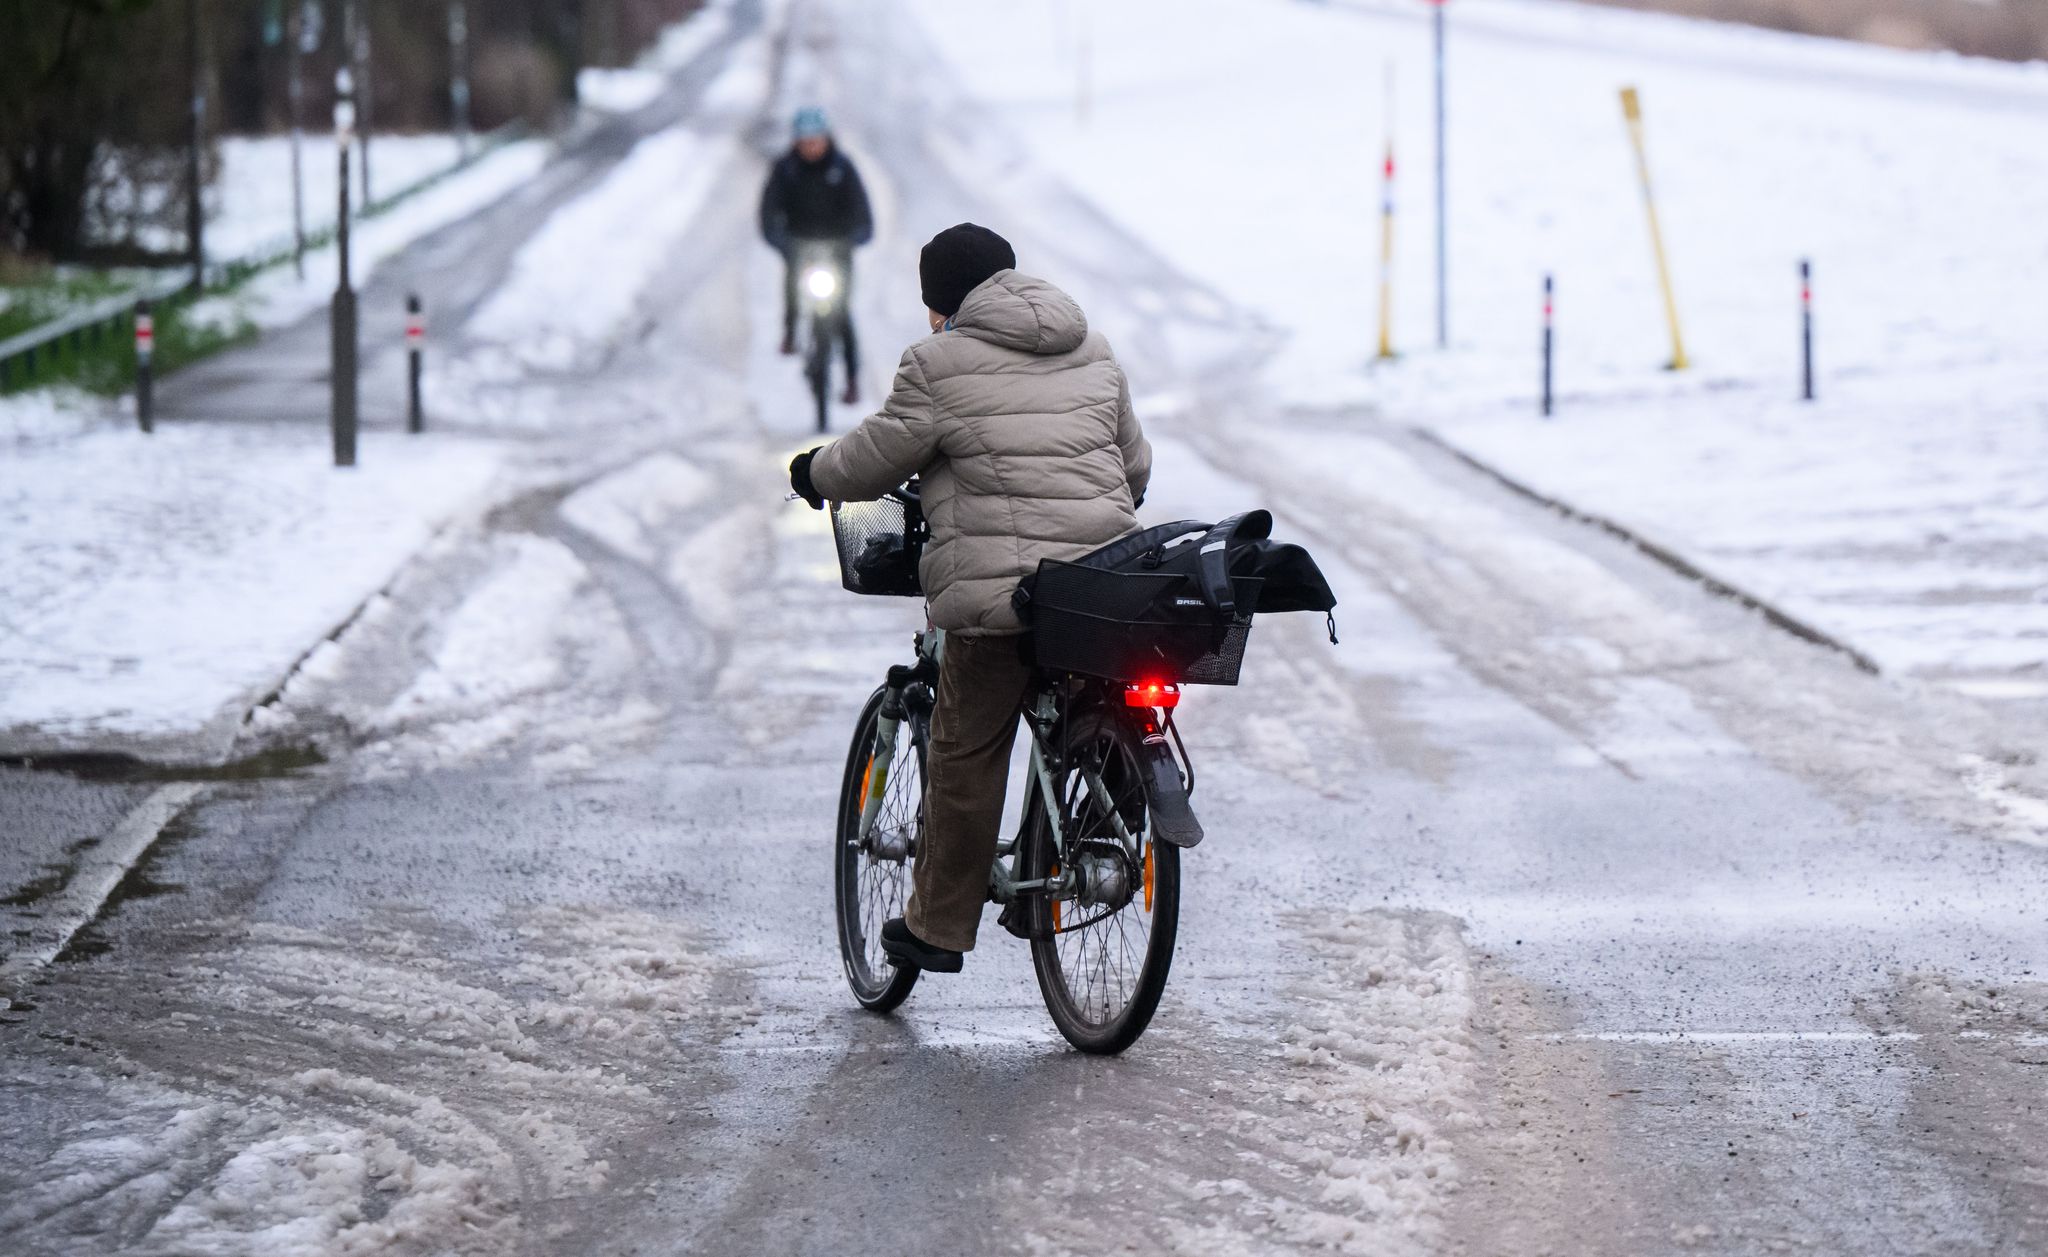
column 1563, row 907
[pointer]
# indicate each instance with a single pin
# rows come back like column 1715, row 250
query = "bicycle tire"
column 1059, row 949
column 876, row 984
column 819, row 369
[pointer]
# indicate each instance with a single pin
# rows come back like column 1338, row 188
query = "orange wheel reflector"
column 1148, row 877
column 867, row 774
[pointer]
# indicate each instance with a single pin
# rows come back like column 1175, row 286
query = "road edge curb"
column 85, row 897
column 1777, row 617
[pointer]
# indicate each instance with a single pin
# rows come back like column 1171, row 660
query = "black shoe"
column 852, row 394
column 908, row 951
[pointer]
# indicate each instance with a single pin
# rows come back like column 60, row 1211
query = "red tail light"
column 1152, row 694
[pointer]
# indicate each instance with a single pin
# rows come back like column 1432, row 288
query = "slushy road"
column 1563, row 907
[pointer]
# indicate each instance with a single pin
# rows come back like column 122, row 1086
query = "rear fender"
column 1173, row 818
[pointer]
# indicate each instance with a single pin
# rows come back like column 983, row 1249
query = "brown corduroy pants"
column 982, row 684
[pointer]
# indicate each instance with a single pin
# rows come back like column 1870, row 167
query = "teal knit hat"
column 810, row 123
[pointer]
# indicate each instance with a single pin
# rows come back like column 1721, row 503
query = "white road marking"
column 73, row 908
column 1734, row 1037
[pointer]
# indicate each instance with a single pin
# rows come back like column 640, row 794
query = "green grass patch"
column 103, row 361
column 30, row 302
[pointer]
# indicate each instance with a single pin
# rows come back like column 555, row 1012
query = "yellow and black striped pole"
column 1632, row 111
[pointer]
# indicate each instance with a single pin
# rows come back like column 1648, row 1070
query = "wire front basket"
column 880, row 544
column 1137, row 627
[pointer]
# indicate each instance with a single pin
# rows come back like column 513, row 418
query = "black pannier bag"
column 1170, row 603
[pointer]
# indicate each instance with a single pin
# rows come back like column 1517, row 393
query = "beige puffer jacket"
column 1019, row 421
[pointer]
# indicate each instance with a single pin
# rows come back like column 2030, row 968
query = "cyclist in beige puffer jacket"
column 1018, row 419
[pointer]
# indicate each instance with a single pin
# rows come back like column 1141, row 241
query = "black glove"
column 800, row 478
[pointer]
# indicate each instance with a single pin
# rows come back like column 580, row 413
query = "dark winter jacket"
column 820, row 200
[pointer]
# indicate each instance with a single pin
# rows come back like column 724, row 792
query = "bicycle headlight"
column 821, row 283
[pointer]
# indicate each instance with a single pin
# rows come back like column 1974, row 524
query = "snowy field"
column 1243, row 139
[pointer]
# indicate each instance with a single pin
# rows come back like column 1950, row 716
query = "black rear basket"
column 1137, row 626
column 880, row 544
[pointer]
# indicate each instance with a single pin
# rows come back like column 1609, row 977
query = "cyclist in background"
column 1018, row 419
column 815, row 194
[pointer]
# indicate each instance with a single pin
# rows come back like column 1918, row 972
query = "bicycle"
column 821, row 282
column 1091, row 877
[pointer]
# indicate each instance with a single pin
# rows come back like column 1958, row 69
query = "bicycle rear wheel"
column 1102, row 955
column 872, row 883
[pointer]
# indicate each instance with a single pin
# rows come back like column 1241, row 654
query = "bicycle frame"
column 1042, row 718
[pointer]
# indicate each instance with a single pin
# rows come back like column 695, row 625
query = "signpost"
column 296, row 33
column 362, row 56
column 1549, row 340
column 1806, row 328
column 342, row 321
column 415, row 343
column 458, row 77
column 1632, row 111
column 195, row 210
column 1443, row 295
column 145, row 367
column 1387, row 230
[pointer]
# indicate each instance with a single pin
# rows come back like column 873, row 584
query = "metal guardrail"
column 90, row 324
column 82, row 326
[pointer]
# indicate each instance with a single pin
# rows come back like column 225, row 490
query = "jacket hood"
column 1019, row 312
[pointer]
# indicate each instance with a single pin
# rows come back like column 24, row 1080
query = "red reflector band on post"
column 1152, row 694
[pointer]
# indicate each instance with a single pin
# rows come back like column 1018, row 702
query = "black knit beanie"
column 957, row 261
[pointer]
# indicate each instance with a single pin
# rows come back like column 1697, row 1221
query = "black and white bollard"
column 1806, row 328
column 415, row 342
column 1549, row 340
column 145, row 365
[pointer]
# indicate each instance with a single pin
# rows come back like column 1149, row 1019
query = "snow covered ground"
column 278, row 296
column 249, row 207
column 578, row 279
column 1242, row 137
column 161, row 585
column 158, row 587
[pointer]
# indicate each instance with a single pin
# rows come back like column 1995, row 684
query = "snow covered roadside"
column 628, row 88
column 278, row 297
column 249, row 207
column 575, row 284
column 1242, row 140
column 1907, row 516
column 157, row 589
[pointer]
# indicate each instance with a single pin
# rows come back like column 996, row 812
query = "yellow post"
column 1387, row 259
column 1632, row 110
column 1387, row 231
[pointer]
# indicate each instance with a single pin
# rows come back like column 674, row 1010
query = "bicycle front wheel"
column 1102, row 951
column 871, row 880
column 819, row 370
